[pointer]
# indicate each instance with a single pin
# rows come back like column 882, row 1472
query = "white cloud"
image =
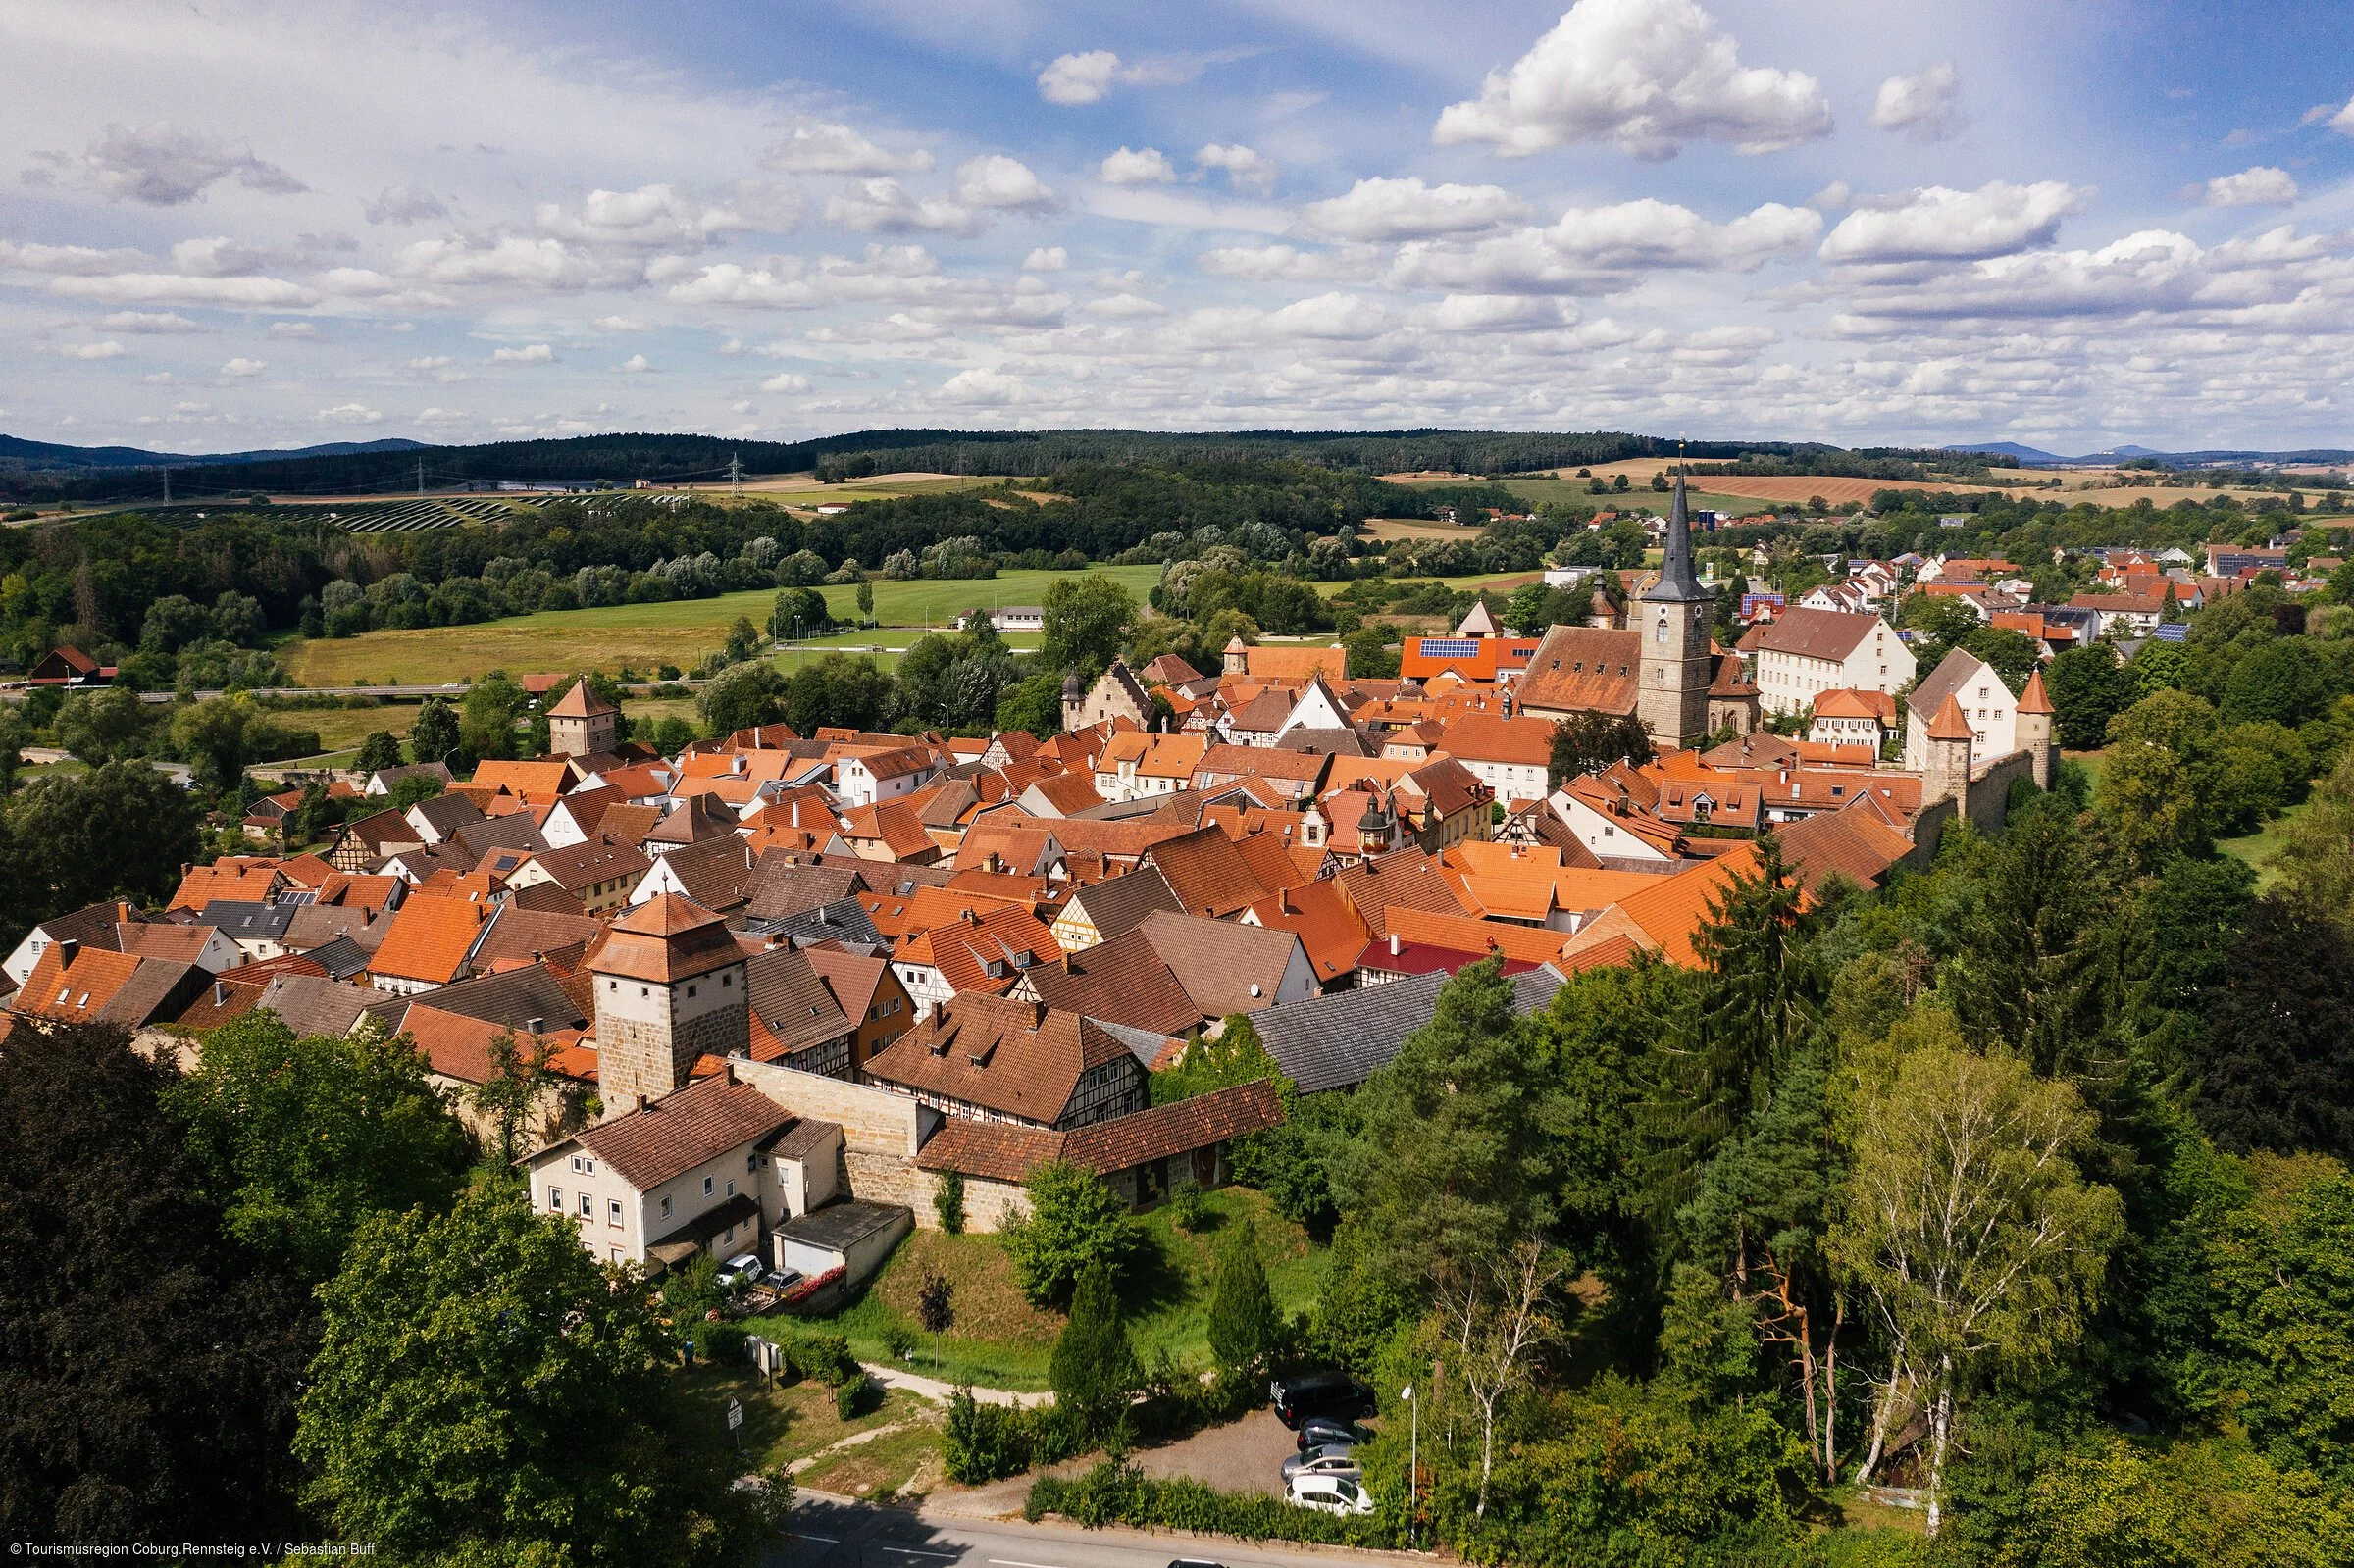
column 430, row 362
column 509, row 260
column 884, row 207
column 109, row 349
column 1288, row 264
column 1005, row 183
column 618, row 323
column 528, row 354
column 1124, row 307
column 1649, row 74
column 1147, row 167
column 1407, row 209
column 1606, row 249
column 1335, row 317
column 69, row 260
column 218, row 257
column 169, row 288
column 139, row 321
column 1926, row 106
column 159, row 167
column 984, row 389
column 1246, row 169
column 1079, row 78
column 2342, row 120
column 293, row 331
column 2261, row 187
column 243, row 367
column 441, row 416
column 405, row 204
column 634, row 365
column 1935, row 223
column 1047, row 259
column 651, row 217
column 785, row 382
column 826, row 147
column 351, row 414
column 1492, row 313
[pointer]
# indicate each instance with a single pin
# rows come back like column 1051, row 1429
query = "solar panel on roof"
column 1450, row 648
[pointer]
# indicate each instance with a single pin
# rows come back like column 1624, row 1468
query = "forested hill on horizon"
column 33, row 471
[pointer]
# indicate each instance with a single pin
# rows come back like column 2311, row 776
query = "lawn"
column 2260, row 847
column 643, row 635
column 1001, row 1340
column 792, row 1424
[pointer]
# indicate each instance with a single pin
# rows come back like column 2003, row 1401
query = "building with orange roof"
column 524, row 779
column 1665, row 916
column 868, row 989
column 231, row 878
column 670, row 987
column 982, row 946
column 1614, row 824
column 430, row 943
column 583, row 724
column 1135, row 765
column 1847, row 717
column 1473, row 658
column 1269, row 662
column 73, row 984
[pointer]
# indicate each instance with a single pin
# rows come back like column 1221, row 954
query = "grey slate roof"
column 843, row 920
column 244, row 922
column 839, row 1226
column 1338, row 1041
column 312, row 1005
column 340, row 959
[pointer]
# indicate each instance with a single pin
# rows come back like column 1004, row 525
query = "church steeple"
column 1677, row 582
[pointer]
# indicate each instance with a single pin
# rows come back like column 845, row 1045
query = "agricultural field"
column 646, row 635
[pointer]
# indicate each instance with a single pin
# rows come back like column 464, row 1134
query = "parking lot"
column 1246, row 1455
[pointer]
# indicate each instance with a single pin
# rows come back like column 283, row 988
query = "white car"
column 1330, row 1495
column 742, row 1269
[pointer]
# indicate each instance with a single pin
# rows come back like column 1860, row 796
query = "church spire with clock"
column 1673, row 616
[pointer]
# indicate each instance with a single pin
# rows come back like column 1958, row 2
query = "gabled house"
column 991, row 1059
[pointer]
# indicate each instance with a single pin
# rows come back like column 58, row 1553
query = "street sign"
column 735, row 1414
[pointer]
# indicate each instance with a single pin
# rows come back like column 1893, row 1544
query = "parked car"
column 1321, row 1394
column 1194, row 1562
column 1321, row 1432
column 1329, row 1495
column 742, row 1269
column 1325, row 1459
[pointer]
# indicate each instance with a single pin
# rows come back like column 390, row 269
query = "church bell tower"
column 1674, row 619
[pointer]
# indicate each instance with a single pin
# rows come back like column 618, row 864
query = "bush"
column 947, row 1202
column 1188, row 1211
column 1112, row 1493
column 723, row 1342
column 824, row 1356
column 855, row 1396
column 898, row 1340
column 984, row 1442
column 1075, row 1223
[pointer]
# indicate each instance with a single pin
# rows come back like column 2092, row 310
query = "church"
column 1662, row 668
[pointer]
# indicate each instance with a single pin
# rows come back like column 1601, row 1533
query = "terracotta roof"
column 1670, row 912
column 893, row 826
column 1269, row 851
column 76, row 990
column 1327, row 925
column 666, row 938
column 1856, row 844
column 1272, row 762
column 182, row 944
column 1118, row 981
column 696, row 818
column 518, row 930
column 429, row 939
column 584, row 865
column 1813, row 633
column 1118, row 904
column 997, row 1153
column 1951, row 723
column 232, row 879
column 854, row 978
column 1849, row 703
column 715, row 873
column 1224, row 966
column 1584, row 669
column 1527, row 944
column 790, row 1005
column 1403, row 878
column 1067, row 792
column 1206, row 873
column 685, row 1129
column 782, row 884
column 1021, row 1059
column 581, row 702
column 977, row 945
column 1492, row 737
column 2034, row 700
column 1266, row 662
column 525, row 778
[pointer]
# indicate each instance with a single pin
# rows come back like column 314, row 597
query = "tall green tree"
column 300, row 1137
column 1095, row 1371
column 2089, row 688
column 1087, row 620
column 120, row 831
column 433, row 737
column 1244, row 1327
column 379, row 750
column 485, row 1395
column 742, row 697
column 216, row 735
column 100, row 726
column 1588, row 742
column 2027, row 976
column 486, row 720
column 2276, row 1061
column 152, row 1360
column 1073, row 1223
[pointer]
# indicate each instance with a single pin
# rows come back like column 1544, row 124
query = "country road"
column 830, row 1533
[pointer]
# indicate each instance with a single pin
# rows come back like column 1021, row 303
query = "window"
column 576, row 1162
column 730, row 1187
column 751, row 1162
column 587, row 1207
column 588, row 1166
column 727, row 979
column 690, row 991
column 706, row 1187
column 666, row 1208
column 555, row 1199
column 613, row 1212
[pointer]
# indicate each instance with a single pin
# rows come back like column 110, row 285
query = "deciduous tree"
column 1074, row 1223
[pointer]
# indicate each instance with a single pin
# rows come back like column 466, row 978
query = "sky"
column 234, row 225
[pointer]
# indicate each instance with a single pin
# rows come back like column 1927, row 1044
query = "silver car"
column 1330, row 1460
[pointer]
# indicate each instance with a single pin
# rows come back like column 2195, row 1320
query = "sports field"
column 647, row 635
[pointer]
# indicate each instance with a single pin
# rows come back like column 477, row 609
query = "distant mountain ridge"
column 50, row 455
column 2220, row 457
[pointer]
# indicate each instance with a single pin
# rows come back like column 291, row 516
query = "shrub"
column 984, row 1442
column 1189, row 1210
column 947, row 1202
column 824, row 1356
column 1076, row 1222
column 723, row 1342
column 1113, row 1493
column 855, row 1395
column 898, row 1340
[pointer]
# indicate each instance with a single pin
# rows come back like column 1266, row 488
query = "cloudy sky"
column 233, row 224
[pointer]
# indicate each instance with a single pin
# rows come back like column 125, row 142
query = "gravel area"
column 1245, row 1455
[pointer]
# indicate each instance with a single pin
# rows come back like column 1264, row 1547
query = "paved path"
column 892, row 1377
column 837, row 1532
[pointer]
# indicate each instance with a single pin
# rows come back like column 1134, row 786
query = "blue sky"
column 241, row 224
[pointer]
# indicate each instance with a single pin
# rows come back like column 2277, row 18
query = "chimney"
column 644, row 1103
column 1038, row 1016
column 538, row 1025
column 220, row 994
column 729, row 1070
column 69, row 948
column 1393, row 945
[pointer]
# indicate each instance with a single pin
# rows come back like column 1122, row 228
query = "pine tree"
column 1095, row 1367
column 1243, row 1321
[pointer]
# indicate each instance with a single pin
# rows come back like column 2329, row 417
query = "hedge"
column 1118, row 1493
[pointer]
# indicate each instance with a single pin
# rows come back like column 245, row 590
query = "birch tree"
column 1498, row 1313
column 1967, row 1229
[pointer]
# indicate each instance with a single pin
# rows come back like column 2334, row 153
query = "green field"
column 646, row 635
column 2260, row 847
column 1001, row 1340
column 1546, row 493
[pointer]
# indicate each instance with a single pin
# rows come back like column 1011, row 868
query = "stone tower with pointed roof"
column 582, row 723
column 670, row 987
column 1947, row 776
column 1673, row 617
column 2036, row 738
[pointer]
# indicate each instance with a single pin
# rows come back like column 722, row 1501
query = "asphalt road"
column 849, row 1534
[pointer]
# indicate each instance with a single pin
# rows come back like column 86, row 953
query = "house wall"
column 1599, row 834
column 1511, row 781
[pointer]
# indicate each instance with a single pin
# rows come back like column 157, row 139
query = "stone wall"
column 873, row 1121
